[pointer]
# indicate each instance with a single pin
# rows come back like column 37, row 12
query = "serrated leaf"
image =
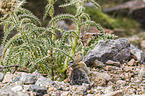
column 86, row 16
column 80, row 11
column 64, row 16
column 68, row 4
column 92, row 23
column 7, row 33
column 33, row 18
column 24, row 11
column 47, row 10
column 95, row 4
column 9, row 43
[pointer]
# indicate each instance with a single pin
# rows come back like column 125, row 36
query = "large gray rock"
column 116, row 50
column 42, row 81
column 25, row 78
column 16, row 88
column 37, row 74
column 5, row 91
column 8, row 77
column 40, row 91
column 140, row 55
column 28, row 78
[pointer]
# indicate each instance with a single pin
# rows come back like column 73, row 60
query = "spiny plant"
column 30, row 45
column 80, row 19
column 36, row 47
column 33, row 47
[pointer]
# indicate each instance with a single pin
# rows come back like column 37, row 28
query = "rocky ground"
column 111, row 80
column 105, row 77
column 106, row 73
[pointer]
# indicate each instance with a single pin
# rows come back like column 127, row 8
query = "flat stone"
column 98, row 64
column 98, row 81
column 18, row 76
column 28, row 78
column 120, row 82
column 103, row 75
column 108, row 89
column 142, row 73
column 42, row 81
column 40, row 91
column 116, row 50
column 110, row 62
column 131, row 62
column 22, row 94
column 16, row 88
column 108, row 68
column 7, row 92
column 129, row 68
column 114, row 93
column 65, row 93
column 8, row 77
column 90, row 94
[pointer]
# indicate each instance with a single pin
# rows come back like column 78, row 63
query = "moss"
column 128, row 25
column 125, row 23
column 101, row 18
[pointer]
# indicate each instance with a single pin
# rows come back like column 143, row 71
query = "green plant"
column 36, row 47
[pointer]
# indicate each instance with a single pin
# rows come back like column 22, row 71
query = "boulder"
column 42, row 81
column 28, row 78
column 40, row 91
column 115, row 50
column 25, row 78
column 140, row 55
column 5, row 91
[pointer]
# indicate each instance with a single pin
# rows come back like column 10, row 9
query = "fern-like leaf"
column 86, row 16
column 80, row 11
column 92, row 23
column 95, row 4
column 69, row 4
column 23, row 21
column 9, row 43
column 7, row 33
column 33, row 18
column 63, row 53
column 24, row 11
column 64, row 16
column 47, row 10
column 41, row 59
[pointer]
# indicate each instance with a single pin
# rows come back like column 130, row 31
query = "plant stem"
column 74, row 45
column 53, row 39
